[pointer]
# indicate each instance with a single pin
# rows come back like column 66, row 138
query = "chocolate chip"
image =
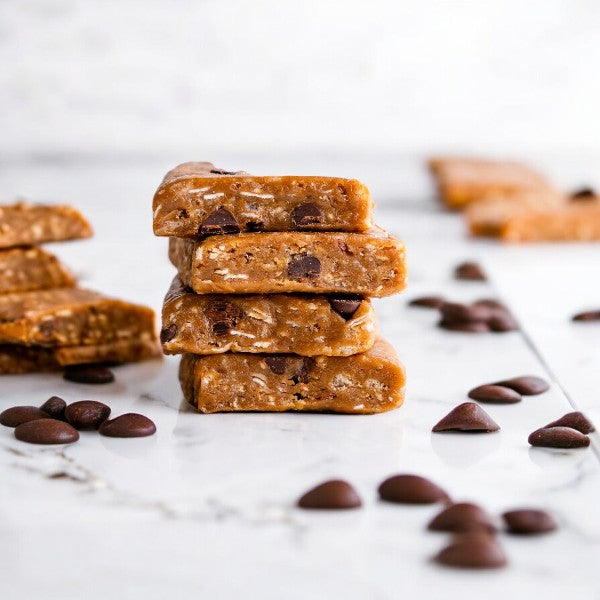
column 467, row 416
column 55, row 407
column 46, row 431
column 277, row 363
column 219, row 222
column 303, row 374
column 465, row 313
column 345, row 306
column 334, row 494
column 526, row 521
column 496, row 394
column 411, row 489
column 168, row 333
column 87, row 414
column 559, row 437
column 490, row 303
column 95, row 374
column 127, row 426
column 305, row 215
column 427, row 301
column 13, row 417
column 304, row 266
column 472, row 551
column 574, row 420
column 462, row 517
column 590, row 315
column 470, row 271
column 585, row 193
column 526, row 385
column 223, row 315
column 465, row 327
column 502, row 321
column 255, row 225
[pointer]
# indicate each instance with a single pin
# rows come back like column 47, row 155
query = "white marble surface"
column 206, row 506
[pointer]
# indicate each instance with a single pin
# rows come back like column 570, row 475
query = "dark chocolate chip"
column 277, row 363
column 502, row 321
column 223, row 315
column 472, row 551
column 585, row 193
column 590, row 315
column 465, row 313
column 467, row 416
column 558, row 437
column 127, row 426
column 96, row 374
column 427, row 301
column 13, row 417
column 411, row 489
column 574, row 420
column 305, row 215
column 168, row 333
column 465, row 327
column 334, row 494
column 496, row 394
column 470, row 271
column 303, row 373
column 345, row 306
column 255, row 225
column 55, row 407
column 219, row 222
column 304, row 266
column 461, row 518
column 526, row 385
column 87, row 414
column 46, row 431
column 526, row 521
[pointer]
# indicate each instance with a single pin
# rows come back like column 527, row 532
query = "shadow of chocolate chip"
column 219, row 222
column 168, row 333
column 304, row 266
column 223, row 315
column 305, row 215
column 345, row 306
column 277, row 363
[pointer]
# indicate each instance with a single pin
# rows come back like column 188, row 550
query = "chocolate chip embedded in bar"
column 199, row 199
column 365, row 383
column 31, row 268
column 305, row 324
column 71, row 317
column 370, row 264
column 22, row 224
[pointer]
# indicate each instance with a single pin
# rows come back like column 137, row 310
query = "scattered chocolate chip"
column 496, row 394
column 411, row 489
column 223, row 315
column 95, row 374
column 303, row 374
column 467, row 416
column 462, row 517
column 54, row 407
column 345, row 306
column 585, row 193
column 490, row 303
column 574, row 420
column 46, row 431
column 465, row 313
column 127, row 426
column 470, row 271
column 13, row 417
column 305, row 215
column 502, row 321
column 472, row 551
column 526, row 385
column 558, row 437
column 219, row 222
column 87, row 414
column 334, row 494
column 304, row 266
column 590, row 315
column 277, row 363
column 526, row 521
column 168, row 333
column 464, row 326
column 427, row 301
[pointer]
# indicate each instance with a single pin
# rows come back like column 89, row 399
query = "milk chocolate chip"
column 472, row 551
column 427, row 302
column 462, row 517
column 334, row 494
column 467, row 416
column 223, row 315
column 470, row 271
column 219, row 222
column 304, row 266
column 277, row 363
column 345, row 306
column 305, row 215
column 574, row 420
column 526, row 385
column 411, row 489
column 495, row 394
column 528, row 521
column 559, row 437
column 590, row 315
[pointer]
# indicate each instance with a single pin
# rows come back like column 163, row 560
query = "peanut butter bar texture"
column 31, row 268
column 198, row 198
column 335, row 325
column 369, row 263
column 71, row 317
column 25, row 224
column 365, row 383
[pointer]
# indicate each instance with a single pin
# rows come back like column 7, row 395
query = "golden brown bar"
column 308, row 324
column 371, row 264
column 365, row 383
column 25, row 269
column 24, row 224
column 198, row 198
